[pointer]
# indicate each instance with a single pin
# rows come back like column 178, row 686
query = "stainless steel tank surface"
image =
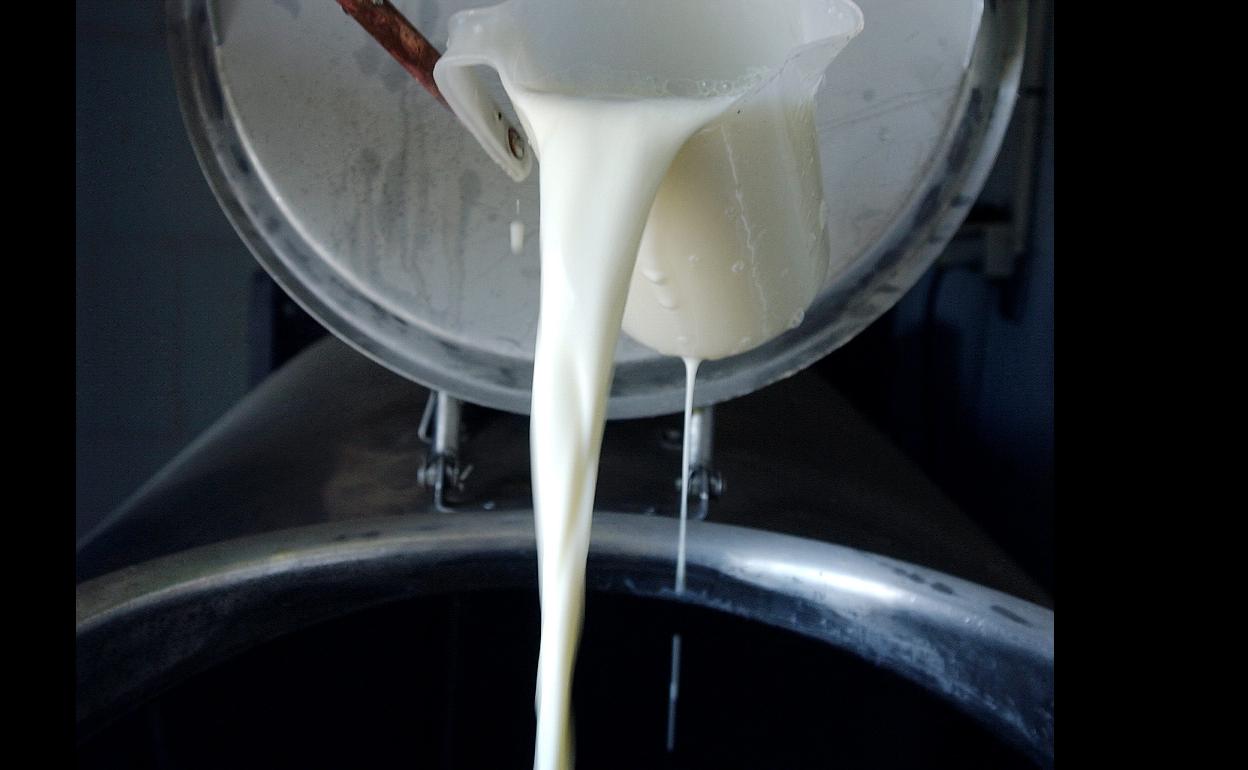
column 302, row 505
column 145, row 627
column 373, row 208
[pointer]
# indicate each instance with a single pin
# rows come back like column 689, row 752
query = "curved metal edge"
column 646, row 389
column 145, row 627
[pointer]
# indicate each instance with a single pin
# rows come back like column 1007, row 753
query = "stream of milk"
column 680, row 201
column 601, row 164
column 673, row 687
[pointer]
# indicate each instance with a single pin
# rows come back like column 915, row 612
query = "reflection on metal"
column 147, row 626
column 333, row 436
column 1030, row 111
column 441, row 471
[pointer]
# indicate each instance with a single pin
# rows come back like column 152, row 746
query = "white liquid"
column 673, row 688
column 699, row 243
column 517, row 236
column 601, row 163
column 707, row 291
column 726, row 257
column 691, row 373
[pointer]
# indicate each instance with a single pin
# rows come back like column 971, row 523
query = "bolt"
column 516, row 143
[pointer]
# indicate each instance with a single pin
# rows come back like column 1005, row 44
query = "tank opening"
column 447, row 682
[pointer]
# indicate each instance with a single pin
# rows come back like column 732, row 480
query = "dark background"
column 175, row 321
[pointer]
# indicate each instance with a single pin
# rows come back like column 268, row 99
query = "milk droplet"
column 797, row 319
column 654, row 276
column 738, row 266
column 667, row 301
column 517, row 236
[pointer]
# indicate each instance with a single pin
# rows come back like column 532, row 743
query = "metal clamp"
column 441, row 471
column 706, row 483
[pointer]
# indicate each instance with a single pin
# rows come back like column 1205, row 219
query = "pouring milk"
column 680, row 200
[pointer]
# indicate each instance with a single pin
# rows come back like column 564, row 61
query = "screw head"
column 515, row 143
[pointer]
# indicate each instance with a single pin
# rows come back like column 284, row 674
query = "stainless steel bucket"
column 374, row 209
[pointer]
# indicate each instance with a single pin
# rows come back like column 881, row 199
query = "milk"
column 673, row 688
column 735, row 248
column 629, row 191
column 680, row 201
column 601, row 164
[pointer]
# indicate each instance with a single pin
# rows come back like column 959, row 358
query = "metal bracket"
column 706, row 483
column 441, row 471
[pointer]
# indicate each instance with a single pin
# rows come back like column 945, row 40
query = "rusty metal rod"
column 397, row 35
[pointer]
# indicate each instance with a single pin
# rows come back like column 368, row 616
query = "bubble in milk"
column 797, row 319
column 738, row 266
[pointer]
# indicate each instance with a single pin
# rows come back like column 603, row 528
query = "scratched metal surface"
column 332, row 436
column 372, row 206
